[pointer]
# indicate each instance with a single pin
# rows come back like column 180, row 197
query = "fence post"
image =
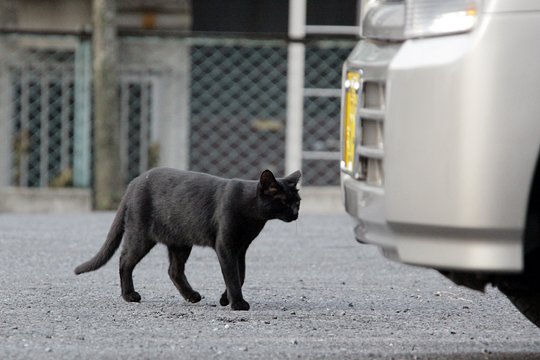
column 108, row 177
column 81, row 145
column 295, row 86
column 174, row 107
column 6, row 131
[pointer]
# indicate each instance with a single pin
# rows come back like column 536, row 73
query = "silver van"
column 441, row 139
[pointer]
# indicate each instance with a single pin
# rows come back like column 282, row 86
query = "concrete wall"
column 44, row 200
column 167, row 62
column 54, row 15
column 315, row 200
column 76, row 15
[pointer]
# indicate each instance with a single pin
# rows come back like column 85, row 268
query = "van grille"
column 370, row 144
column 370, row 60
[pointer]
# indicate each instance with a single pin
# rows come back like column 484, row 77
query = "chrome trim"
column 372, row 114
column 371, row 152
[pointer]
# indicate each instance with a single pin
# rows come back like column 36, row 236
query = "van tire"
column 526, row 301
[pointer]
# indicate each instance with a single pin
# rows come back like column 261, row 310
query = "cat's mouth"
column 290, row 218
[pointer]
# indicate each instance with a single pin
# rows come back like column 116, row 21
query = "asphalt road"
column 314, row 293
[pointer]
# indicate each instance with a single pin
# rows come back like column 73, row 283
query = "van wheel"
column 527, row 301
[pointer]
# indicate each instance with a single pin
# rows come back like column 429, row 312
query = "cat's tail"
column 114, row 238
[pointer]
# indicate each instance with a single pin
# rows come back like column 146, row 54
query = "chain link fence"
column 218, row 103
column 238, row 107
column 238, row 116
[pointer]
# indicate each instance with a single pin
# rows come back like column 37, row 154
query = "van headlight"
column 439, row 17
column 406, row 19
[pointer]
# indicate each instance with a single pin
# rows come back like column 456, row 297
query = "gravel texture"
column 314, row 293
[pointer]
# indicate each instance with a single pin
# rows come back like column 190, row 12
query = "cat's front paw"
column 240, row 305
column 195, row 297
column 224, row 301
column 132, row 297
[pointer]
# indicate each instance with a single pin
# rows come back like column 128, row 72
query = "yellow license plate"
column 352, row 90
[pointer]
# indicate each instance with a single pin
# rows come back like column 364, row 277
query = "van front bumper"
column 489, row 250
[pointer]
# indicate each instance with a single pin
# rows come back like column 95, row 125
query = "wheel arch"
column 531, row 235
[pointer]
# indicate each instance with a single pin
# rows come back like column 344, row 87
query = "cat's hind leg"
column 178, row 256
column 134, row 249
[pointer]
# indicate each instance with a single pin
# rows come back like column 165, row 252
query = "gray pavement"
column 314, row 293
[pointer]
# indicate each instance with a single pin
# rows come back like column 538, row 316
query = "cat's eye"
column 290, row 202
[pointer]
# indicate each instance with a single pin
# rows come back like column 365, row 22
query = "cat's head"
column 279, row 198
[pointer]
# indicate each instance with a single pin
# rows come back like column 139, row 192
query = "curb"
column 321, row 200
column 315, row 200
column 45, row 200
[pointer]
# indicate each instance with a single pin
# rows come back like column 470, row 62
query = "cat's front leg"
column 229, row 263
column 224, row 300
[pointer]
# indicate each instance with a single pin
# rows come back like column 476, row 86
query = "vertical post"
column 6, row 130
column 44, row 132
column 295, row 86
column 8, row 19
column 108, row 179
column 144, row 124
column 82, row 147
column 171, row 105
column 24, row 156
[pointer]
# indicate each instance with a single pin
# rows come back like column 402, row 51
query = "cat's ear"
column 294, row 178
column 268, row 183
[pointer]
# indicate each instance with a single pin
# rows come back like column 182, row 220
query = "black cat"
column 181, row 209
